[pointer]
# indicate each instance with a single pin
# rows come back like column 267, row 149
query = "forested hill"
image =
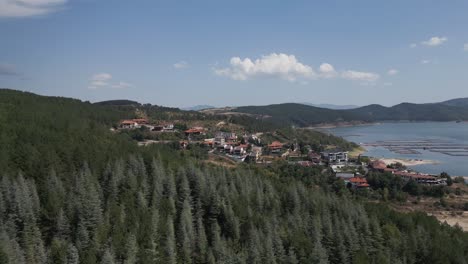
column 305, row 115
column 73, row 192
column 463, row 102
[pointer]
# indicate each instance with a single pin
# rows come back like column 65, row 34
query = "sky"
column 231, row 53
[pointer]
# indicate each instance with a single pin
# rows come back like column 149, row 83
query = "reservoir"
column 443, row 142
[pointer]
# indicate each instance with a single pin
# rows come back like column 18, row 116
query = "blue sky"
column 183, row 53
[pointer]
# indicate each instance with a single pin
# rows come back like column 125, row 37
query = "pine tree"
column 170, row 242
column 254, row 249
column 202, row 242
column 72, row 255
column 292, row 259
column 132, row 250
column 185, row 234
column 108, row 257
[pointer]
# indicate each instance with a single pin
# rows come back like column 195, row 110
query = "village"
column 250, row 148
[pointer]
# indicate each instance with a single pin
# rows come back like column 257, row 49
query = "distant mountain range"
column 333, row 106
column 463, row 102
column 197, row 107
column 305, row 115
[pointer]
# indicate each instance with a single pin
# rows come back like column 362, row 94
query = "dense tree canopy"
column 71, row 191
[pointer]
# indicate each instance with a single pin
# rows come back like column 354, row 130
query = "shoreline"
column 408, row 162
column 340, row 124
column 363, row 123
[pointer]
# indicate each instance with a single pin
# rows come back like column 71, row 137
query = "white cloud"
column 27, row 8
column 327, row 70
column 280, row 65
column 434, row 41
column 388, row 84
column 287, row 67
column 103, row 80
column 392, row 72
column 425, row 61
column 465, row 47
column 360, row 76
column 413, row 45
column 181, row 65
column 101, row 77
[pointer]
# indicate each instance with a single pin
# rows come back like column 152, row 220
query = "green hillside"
column 461, row 102
column 71, row 191
column 305, row 115
column 298, row 114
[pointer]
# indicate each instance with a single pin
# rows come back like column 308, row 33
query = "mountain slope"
column 298, row 114
column 304, row 115
column 461, row 102
column 333, row 106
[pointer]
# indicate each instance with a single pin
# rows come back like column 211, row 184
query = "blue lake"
column 450, row 132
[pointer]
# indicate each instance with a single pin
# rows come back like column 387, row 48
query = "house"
column 168, row 127
column 421, row 178
column 228, row 148
column 133, row 123
column 380, row 166
column 128, row 124
column 275, row 147
column 141, row 121
column 314, row 157
column 240, row 150
column 335, row 156
column 219, row 140
column 209, row 142
column 254, row 154
column 163, row 128
column 158, row 128
column 195, row 131
column 358, row 182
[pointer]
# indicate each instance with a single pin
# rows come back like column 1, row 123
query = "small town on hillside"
column 249, row 148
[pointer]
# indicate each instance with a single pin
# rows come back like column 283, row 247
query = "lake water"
column 442, row 133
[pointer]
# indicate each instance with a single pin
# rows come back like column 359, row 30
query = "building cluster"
column 143, row 122
column 407, row 175
column 248, row 148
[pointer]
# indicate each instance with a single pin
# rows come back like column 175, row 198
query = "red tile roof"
column 127, row 122
column 276, row 144
column 140, row 120
column 193, row 130
column 358, row 180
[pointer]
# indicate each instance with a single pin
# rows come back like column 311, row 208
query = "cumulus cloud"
column 392, row 72
column 8, row 69
column 413, row 45
column 280, row 65
column 181, row 65
column 360, row 76
column 288, row 67
column 27, row 8
column 327, row 70
column 434, row 41
column 425, row 61
column 465, row 47
column 103, row 80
